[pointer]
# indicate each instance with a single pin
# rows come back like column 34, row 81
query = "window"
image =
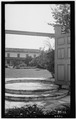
column 8, row 54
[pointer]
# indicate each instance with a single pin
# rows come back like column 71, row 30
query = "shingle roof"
column 22, row 50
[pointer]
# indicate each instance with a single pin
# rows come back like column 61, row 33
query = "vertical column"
column 58, row 67
column 57, row 28
column 5, row 61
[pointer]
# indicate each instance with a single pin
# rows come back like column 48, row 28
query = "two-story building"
column 19, row 54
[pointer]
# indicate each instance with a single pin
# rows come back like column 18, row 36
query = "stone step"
column 30, row 79
column 18, row 81
column 29, row 92
column 30, row 86
column 28, row 98
column 16, row 95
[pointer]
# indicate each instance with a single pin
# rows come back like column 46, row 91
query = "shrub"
column 34, row 111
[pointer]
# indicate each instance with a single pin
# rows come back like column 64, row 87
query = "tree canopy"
column 61, row 13
column 45, row 61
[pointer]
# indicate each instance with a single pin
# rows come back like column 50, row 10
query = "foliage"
column 50, row 61
column 36, row 112
column 27, row 60
column 29, row 111
column 45, row 61
column 61, row 14
column 41, row 60
column 17, row 62
column 34, row 62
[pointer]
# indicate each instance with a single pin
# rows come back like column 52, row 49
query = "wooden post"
column 57, row 28
column 62, row 56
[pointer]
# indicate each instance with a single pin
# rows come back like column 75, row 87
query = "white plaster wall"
column 32, row 54
column 22, row 55
column 13, row 54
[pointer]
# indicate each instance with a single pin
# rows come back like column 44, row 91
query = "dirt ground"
column 19, row 73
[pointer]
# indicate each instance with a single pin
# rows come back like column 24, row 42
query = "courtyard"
column 33, row 86
column 20, row 73
column 37, row 61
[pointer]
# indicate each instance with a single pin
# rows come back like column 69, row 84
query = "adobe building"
column 19, row 54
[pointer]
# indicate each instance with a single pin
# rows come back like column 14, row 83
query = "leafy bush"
column 34, row 111
column 29, row 111
column 51, row 63
column 44, row 61
column 27, row 60
column 61, row 14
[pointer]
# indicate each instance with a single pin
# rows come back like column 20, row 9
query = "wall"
column 22, row 55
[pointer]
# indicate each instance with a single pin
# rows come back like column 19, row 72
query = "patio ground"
column 12, row 74
column 18, row 73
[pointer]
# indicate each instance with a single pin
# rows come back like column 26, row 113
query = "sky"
column 28, row 18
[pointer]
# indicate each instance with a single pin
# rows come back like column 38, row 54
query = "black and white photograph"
column 37, row 59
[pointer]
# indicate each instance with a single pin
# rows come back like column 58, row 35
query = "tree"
column 33, row 62
column 39, row 61
column 27, row 60
column 50, row 62
column 45, row 61
column 47, row 44
column 16, row 62
column 61, row 13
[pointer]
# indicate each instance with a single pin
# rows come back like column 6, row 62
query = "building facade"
column 12, row 54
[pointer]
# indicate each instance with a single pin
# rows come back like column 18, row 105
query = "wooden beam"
column 29, row 33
